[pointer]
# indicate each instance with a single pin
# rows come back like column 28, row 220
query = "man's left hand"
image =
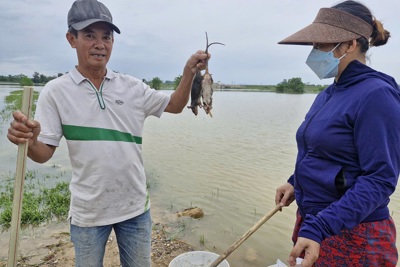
column 198, row 61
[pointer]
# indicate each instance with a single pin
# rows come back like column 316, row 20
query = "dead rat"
column 202, row 91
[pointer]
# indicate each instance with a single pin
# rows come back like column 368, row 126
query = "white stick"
column 27, row 98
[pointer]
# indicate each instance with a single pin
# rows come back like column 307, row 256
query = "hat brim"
column 319, row 33
column 83, row 24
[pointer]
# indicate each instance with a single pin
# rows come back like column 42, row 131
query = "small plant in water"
column 215, row 194
column 178, row 228
column 40, row 203
column 202, row 240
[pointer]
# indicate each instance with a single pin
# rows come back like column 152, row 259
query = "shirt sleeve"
column 48, row 116
column 155, row 102
column 291, row 180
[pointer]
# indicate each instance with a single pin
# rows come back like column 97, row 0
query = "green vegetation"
column 37, row 78
column 11, row 78
column 156, row 83
column 14, row 102
column 42, row 79
column 249, row 87
column 177, row 80
column 286, row 86
column 40, row 203
column 290, row 86
column 202, row 240
column 25, row 81
column 314, row 88
column 293, row 86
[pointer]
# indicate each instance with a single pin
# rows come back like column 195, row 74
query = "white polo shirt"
column 103, row 129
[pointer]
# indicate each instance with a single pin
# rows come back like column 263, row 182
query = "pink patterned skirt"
column 371, row 244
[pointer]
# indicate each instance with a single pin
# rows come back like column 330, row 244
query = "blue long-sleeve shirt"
column 348, row 153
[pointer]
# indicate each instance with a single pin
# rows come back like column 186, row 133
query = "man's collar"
column 77, row 77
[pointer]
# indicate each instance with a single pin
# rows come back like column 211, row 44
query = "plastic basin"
column 196, row 259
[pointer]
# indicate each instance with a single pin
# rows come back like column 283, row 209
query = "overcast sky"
column 158, row 36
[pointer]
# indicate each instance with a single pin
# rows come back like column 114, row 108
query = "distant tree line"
column 157, row 83
column 154, row 83
column 293, row 85
column 38, row 78
column 41, row 78
column 22, row 79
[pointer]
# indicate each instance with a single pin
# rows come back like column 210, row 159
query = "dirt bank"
column 50, row 245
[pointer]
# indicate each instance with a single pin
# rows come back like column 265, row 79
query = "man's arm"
column 180, row 97
column 21, row 131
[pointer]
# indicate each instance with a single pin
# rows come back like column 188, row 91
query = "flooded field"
column 228, row 165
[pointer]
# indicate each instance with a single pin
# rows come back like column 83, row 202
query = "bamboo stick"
column 27, row 100
column 235, row 245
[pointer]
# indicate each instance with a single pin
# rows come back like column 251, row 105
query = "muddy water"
column 228, row 165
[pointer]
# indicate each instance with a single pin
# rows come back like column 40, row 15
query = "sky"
column 158, row 37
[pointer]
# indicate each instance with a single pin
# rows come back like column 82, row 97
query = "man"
column 101, row 115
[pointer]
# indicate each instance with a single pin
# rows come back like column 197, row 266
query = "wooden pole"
column 235, row 245
column 27, row 100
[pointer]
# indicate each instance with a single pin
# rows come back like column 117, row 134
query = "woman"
column 348, row 147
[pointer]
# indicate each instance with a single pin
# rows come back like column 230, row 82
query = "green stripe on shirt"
column 146, row 205
column 80, row 133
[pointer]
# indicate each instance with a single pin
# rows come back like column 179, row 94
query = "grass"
column 13, row 102
column 202, row 240
column 179, row 228
column 40, row 203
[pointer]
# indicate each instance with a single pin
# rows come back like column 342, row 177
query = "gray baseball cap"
column 86, row 12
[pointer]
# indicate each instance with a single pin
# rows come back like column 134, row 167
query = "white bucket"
column 196, row 259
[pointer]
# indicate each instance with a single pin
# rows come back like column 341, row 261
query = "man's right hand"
column 21, row 130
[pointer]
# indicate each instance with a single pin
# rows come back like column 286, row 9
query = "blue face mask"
column 324, row 64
